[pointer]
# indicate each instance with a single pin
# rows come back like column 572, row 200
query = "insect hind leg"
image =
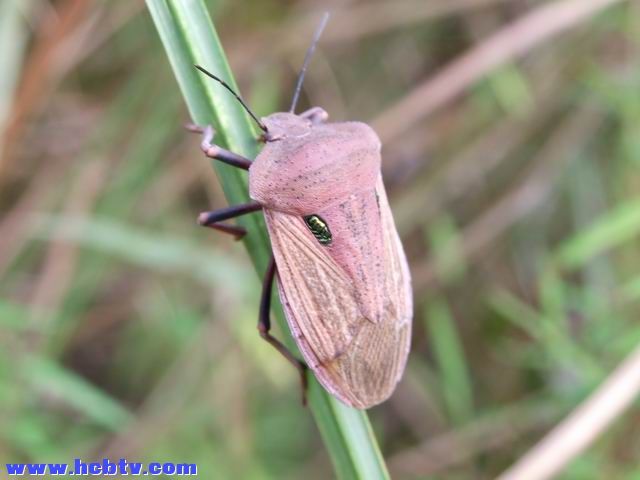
column 264, row 325
column 214, row 218
column 216, row 152
column 237, row 231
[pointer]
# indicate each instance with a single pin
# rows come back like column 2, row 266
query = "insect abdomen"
column 319, row 228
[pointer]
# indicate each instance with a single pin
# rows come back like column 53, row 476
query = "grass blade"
column 616, row 227
column 448, row 351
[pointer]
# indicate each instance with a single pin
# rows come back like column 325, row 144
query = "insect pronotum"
column 342, row 274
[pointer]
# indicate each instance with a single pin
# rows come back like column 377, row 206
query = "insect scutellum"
column 319, row 228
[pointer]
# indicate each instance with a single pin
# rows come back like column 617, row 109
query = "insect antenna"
column 226, row 85
column 307, row 57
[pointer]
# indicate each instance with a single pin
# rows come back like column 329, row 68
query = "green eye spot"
column 319, row 228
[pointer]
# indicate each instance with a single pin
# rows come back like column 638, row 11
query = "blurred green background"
column 128, row 331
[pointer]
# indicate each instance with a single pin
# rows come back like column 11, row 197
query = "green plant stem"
column 189, row 38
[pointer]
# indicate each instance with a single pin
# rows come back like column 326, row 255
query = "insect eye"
column 319, row 228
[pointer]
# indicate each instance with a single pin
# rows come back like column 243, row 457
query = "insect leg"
column 237, row 231
column 264, row 325
column 316, row 115
column 213, row 219
column 212, row 150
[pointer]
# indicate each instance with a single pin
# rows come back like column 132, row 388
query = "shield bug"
column 343, row 278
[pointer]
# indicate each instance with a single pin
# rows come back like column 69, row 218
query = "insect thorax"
column 319, row 228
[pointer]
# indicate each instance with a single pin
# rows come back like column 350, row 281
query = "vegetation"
column 510, row 136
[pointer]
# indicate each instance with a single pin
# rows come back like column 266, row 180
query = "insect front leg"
column 216, row 152
column 213, row 219
column 264, row 325
column 315, row 115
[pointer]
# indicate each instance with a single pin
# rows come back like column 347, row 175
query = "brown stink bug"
column 343, row 278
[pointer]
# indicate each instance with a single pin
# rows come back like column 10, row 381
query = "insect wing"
column 359, row 361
